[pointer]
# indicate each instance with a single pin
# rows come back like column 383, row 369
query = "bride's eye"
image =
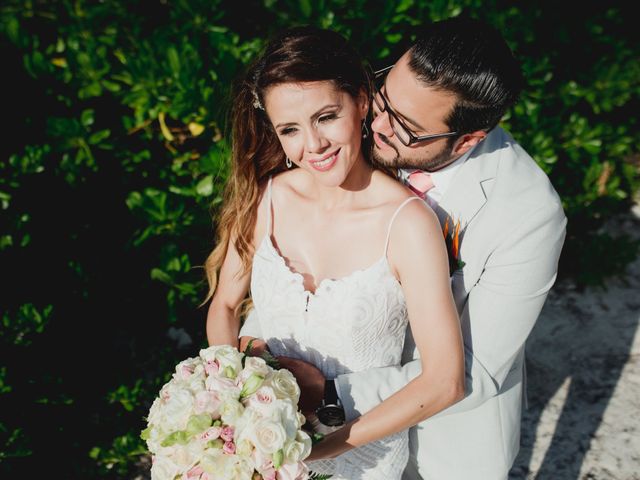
column 287, row 131
column 327, row 118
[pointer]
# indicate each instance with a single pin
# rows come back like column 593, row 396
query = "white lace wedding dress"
column 350, row 324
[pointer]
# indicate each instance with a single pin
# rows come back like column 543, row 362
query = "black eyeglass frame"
column 387, row 108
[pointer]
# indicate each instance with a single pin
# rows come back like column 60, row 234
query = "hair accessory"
column 256, row 100
column 288, row 162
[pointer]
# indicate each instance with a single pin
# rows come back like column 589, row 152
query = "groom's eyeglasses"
column 401, row 131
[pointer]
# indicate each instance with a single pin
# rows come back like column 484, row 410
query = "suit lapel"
column 469, row 188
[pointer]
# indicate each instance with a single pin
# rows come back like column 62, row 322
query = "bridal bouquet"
column 225, row 415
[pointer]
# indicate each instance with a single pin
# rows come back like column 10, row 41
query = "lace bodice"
column 347, row 325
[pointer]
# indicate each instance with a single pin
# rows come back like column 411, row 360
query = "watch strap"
column 330, row 393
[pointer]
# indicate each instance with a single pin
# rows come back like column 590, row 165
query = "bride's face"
column 319, row 127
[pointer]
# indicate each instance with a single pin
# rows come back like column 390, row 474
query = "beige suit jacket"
column 513, row 231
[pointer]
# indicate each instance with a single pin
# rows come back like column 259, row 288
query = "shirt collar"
column 441, row 178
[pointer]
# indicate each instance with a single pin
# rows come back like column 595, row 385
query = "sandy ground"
column 583, row 358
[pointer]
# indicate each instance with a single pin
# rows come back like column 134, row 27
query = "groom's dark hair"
column 471, row 59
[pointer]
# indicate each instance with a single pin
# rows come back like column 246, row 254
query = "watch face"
column 331, row 415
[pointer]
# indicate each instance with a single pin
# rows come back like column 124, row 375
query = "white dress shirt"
column 441, row 178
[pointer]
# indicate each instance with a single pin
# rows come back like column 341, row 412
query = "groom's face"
column 422, row 110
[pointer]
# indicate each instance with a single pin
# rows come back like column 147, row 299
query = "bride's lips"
column 325, row 163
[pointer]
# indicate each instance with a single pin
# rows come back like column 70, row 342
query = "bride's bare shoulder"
column 389, row 189
column 290, row 182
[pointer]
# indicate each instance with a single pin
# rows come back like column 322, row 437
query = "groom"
column 436, row 114
column 460, row 76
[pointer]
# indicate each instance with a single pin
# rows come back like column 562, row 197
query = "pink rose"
column 185, row 372
column 227, row 434
column 269, row 474
column 229, row 448
column 211, row 433
column 195, row 472
column 212, row 367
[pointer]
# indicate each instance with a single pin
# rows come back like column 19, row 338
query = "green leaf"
column 305, row 8
column 205, row 186
column 198, row 423
column 174, row 61
column 99, row 136
column 180, row 437
column 277, row 458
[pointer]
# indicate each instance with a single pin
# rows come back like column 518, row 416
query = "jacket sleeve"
column 496, row 320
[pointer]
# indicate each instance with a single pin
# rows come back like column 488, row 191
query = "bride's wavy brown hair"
column 299, row 54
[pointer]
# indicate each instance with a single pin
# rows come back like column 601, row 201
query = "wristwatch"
column 330, row 412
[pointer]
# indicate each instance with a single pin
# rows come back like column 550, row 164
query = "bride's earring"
column 288, row 162
column 365, row 129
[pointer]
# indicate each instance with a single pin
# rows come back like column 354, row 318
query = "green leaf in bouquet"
column 316, row 437
column 277, row 459
column 318, row 476
column 180, row 437
column 144, row 434
column 247, row 350
column 217, row 443
column 253, row 383
column 229, row 372
column 270, row 359
column 198, row 423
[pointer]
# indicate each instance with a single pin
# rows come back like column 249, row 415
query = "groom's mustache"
column 385, row 139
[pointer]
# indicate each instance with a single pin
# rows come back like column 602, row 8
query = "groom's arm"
column 497, row 318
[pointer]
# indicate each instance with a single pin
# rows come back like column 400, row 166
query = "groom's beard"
column 430, row 163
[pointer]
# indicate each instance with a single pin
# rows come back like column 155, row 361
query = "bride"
column 338, row 256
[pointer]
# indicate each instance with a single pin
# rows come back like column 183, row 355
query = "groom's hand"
column 258, row 346
column 310, row 380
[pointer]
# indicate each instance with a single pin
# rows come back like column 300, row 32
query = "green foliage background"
column 114, row 156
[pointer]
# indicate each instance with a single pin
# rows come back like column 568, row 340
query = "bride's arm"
column 418, row 254
column 223, row 321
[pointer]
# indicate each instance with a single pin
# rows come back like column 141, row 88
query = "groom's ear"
column 467, row 141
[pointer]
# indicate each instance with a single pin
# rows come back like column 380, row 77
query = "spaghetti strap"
column 393, row 217
column 269, row 207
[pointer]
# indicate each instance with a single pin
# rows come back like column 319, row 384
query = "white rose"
column 215, row 463
column 240, row 469
column 155, row 412
column 186, row 368
column 155, row 439
column 230, row 411
column 263, row 401
column 289, row 418
column 177, row 409
column 209, row 402
column 298, row 449
column 268, row 436
column 224, row 387
column 164, row 468
column 229, row 359
column 293, row 471
column 186, row 456
column 255, row 365
column 284, row 385
column 244, row 448
column 209, row 354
